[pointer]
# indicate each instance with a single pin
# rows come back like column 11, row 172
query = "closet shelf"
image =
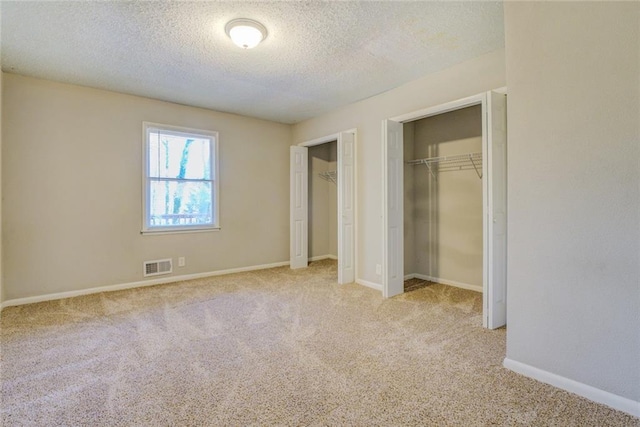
column 451, row 163
column 330, row 176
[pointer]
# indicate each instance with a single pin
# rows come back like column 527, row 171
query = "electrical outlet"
column 181, row 262
column 378, row 269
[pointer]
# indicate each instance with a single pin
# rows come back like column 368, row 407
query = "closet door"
column 496, row 152
column 346, row 208
column 299, row 221
column 393, row 205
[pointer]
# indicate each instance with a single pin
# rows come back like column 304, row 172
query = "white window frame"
column 148, row 127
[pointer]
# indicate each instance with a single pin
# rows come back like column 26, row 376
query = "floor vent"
column 157, row 267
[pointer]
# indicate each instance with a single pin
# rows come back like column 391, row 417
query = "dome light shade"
column 246, row 33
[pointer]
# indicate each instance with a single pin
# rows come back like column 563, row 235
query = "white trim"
column 502, row 90
column 321, row 257
column 324, row 139
column 181, row 230
column 597, row 395
column 440, row 109
column 140, row 284
column 319, row 141
column 467, row 286
column 368, row 284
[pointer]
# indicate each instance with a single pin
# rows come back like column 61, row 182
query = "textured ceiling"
column 317, row 56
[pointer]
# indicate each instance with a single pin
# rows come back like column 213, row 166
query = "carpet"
column 271, row 347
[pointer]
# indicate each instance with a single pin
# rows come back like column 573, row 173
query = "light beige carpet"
column 275, row 347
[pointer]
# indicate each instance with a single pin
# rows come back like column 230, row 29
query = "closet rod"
column 451, row 163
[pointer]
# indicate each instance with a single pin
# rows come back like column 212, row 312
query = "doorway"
column 322, row 203
column 344, row 179
column 443, row 199
column 494, row 207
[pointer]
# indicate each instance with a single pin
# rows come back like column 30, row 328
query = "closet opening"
column 443, row 236
column 322, row 203
column 445, row 200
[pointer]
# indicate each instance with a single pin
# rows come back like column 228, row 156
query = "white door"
column 299, row 191
column 495, row 293
column 393, row 256
column 346, row 211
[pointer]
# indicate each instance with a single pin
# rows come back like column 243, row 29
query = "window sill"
column 180, row 230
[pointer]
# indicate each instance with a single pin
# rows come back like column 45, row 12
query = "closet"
column 323, row 201
column 443, row 198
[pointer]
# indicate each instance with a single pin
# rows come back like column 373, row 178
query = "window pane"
column 179, row 156
column 180, row 203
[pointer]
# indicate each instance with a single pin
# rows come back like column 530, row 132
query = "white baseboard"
column 161, row 281
column 368, row 284
column 612, row 400
column 321, row 257
column 448, row 282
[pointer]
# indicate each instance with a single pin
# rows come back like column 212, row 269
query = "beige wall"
column 574, row 196
column 318, row 200
column 322, row 202
column 465, row 79
column 447, row 211
column 72, row 189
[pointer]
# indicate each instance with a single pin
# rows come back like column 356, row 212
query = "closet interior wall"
column 443, row 214
column 323, row 202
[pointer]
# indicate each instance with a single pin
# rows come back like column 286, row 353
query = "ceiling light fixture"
column 246, row 33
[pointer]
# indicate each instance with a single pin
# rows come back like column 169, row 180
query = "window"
column 180, row 179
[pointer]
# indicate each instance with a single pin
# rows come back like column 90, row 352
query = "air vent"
column 157, row 267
